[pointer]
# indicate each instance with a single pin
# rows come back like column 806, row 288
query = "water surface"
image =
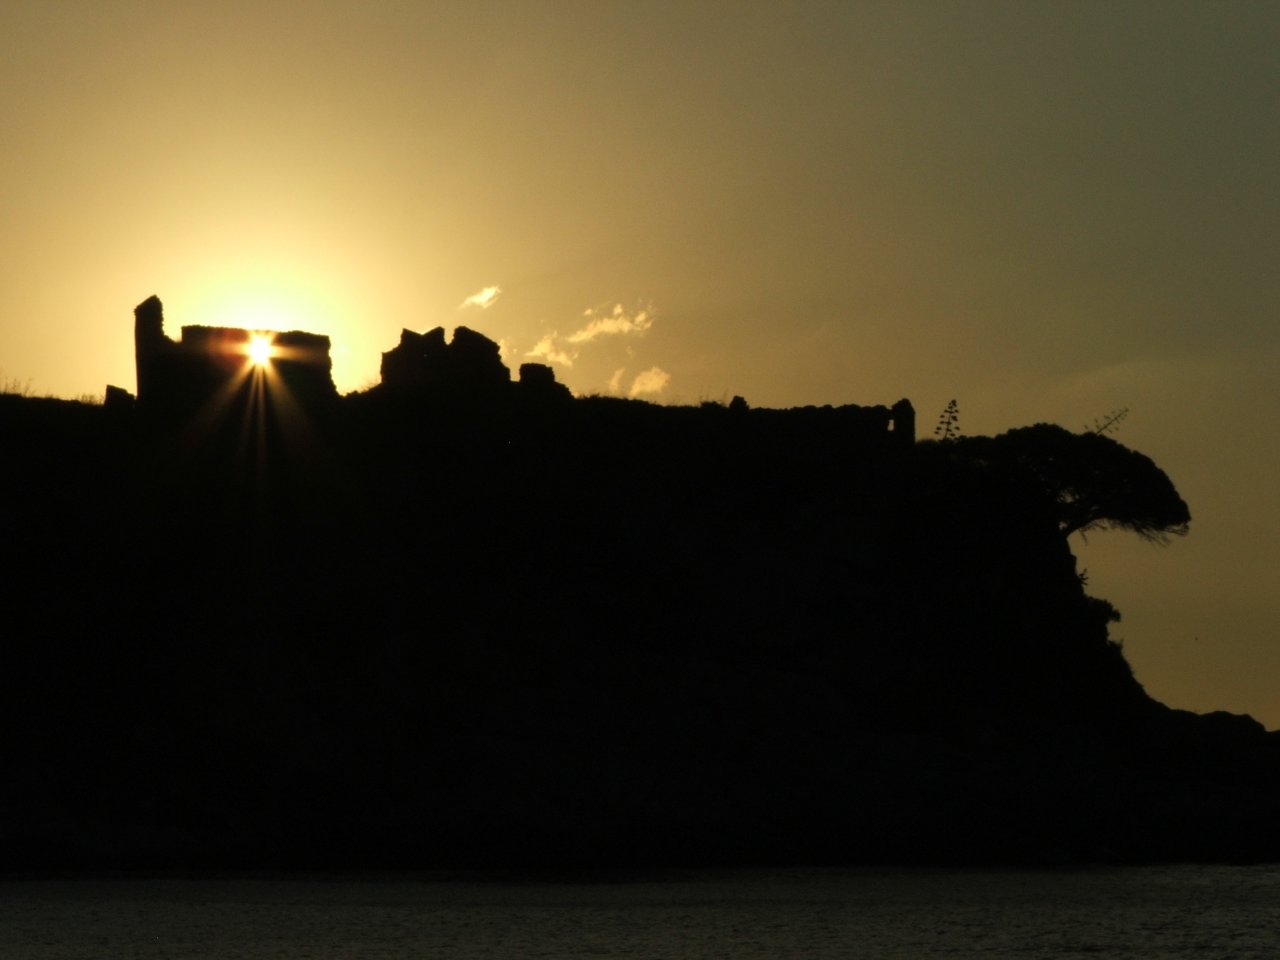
column 1166, row 912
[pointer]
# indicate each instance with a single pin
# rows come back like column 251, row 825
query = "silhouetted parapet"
column 902, row 416
column 468, row 366
column 867, row 422
column 843, row 430
column 538, row 383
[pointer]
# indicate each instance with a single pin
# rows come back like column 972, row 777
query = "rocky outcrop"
column 423, row 363
column 591, row 631
column 538, row 384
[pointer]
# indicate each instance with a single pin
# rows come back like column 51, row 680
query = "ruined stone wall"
column 208, row 366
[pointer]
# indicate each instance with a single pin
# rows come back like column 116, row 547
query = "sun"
column 260, row 349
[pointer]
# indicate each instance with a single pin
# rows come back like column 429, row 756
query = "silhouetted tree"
column 1094, row 482
column 1107, row 424
column 948, row 427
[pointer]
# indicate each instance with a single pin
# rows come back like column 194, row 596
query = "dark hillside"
column 428, row 627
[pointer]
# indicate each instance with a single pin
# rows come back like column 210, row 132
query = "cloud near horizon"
column 545, row 349
column 618, row 321
column 653, row 380
column 484, row 299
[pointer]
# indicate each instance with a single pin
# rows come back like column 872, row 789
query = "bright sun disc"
column 259, row 349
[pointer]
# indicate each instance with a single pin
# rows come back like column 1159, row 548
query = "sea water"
column 1200, row 912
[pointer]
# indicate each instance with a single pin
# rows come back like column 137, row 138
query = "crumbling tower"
column 153, row 351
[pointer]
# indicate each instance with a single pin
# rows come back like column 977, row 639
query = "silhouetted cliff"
column 437, row 625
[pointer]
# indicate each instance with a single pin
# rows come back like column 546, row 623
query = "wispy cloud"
column 612, row 323
column 484, row 299
column 506, row 350
column 617, row 321
column 546, row 349
column 653, row 380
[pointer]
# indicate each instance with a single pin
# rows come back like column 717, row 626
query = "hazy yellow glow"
column 297, row 287
column 252, row 303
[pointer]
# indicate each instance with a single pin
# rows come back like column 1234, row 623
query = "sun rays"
column 260, row 349
column 259, row 410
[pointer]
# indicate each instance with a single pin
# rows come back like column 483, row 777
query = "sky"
column 1045, row 211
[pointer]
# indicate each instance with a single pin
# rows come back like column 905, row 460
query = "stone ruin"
column 468, row 368
column 176, row 378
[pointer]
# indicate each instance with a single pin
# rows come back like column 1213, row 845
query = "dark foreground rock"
column 532, row 630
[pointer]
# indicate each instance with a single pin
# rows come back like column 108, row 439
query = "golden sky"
column 1044, row 210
